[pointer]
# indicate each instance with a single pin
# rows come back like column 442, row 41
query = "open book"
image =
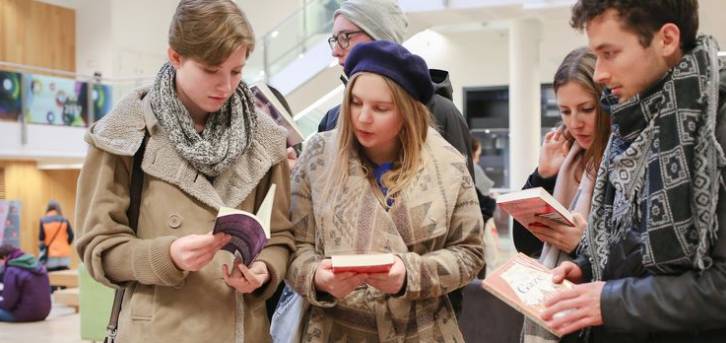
column 249, row 232
column 524, row 284
column 363, row 263
column 266, row 102
column 527, row 205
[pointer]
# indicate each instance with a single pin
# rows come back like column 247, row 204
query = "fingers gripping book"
column 250, row 232
column 526, row 206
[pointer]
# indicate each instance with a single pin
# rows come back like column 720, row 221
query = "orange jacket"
column 57, row 234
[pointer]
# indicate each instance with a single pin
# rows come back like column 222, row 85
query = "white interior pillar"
column 524, row 99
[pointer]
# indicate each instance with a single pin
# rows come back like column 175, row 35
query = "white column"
column 524, row 99
column 94, row 38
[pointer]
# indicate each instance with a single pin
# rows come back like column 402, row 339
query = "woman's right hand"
column 193, row 252
column 552, row 154
column 338, row 285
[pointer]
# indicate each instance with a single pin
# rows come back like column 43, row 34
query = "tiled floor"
column 61, row 326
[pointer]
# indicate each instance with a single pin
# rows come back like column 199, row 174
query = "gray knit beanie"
column 380, row 19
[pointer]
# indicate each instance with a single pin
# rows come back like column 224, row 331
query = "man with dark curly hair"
column 652, row 264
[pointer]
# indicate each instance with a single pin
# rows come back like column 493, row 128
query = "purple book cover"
column 248, row 236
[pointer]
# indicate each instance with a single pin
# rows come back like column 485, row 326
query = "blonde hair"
column 416, row 120
column 209, row 31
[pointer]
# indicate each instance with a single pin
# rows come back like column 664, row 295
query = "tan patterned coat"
column 435, row 226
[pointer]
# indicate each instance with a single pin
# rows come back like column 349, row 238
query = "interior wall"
column 37, row 34
column 33, row 188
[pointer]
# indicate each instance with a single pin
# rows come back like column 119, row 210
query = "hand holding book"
column 391, row 281
column 193, row 252
column 576, row 308
column 340, row 284
column 342, row 274
column 246, row 280
column 563, row 237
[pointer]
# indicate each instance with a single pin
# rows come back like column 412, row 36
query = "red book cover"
column 363, row 263
column 528, row 205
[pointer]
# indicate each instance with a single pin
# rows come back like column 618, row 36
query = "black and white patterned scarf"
column 227, row 133
column 661, row 171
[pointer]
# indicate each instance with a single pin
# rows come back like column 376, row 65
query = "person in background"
column 569, row 157
column 361, row 21
column 25, row 296
column 568, row 162
column 206, row 148
column 381, row 183
column 483, row 182
column 652, row 264
column 55, row 236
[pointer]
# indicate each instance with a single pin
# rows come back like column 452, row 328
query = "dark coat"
column 689, row 307
column 26, row 292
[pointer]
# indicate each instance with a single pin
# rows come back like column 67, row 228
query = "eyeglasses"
column 342, row 39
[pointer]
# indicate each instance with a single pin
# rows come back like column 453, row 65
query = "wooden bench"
column 67, row 278
column 68, row 297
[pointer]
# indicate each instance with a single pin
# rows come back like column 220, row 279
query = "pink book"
column 363, row 263
column 527, row 206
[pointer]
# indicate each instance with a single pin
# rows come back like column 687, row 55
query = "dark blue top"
column 378, row 172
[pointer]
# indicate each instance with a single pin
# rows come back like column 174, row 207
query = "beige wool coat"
column 435, row 227
column 162, row 303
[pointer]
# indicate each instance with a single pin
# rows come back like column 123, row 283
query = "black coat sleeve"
column 525, row 241
column 691, row 301
column 451, row 125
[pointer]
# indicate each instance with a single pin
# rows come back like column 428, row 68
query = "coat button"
column 175, row 221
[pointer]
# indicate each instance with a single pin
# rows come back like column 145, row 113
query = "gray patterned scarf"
column 227, row 133
column 660, row 173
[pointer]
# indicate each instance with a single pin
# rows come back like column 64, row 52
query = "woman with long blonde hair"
column 383, row 182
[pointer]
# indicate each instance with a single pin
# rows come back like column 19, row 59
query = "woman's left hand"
column 391, row 282
column 563, row 237
column 246, row 280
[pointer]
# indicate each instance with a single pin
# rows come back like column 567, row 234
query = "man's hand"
column 246, row 280
column 193, row 252
column 574, row 309
column 567, row 270
column 338, row 285
column 390, row 282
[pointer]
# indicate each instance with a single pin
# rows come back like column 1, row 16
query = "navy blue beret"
column 393, row 61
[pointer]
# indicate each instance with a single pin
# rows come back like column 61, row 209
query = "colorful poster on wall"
column 102, row 100
column 53, row 100
column 11, row 104
column 10, row 222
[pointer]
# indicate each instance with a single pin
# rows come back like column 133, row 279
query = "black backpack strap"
column 135, row 188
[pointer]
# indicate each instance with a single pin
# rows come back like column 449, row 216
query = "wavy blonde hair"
column 416, row 121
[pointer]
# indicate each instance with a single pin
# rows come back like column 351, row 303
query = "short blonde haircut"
column 416, row 122
column 208, row 31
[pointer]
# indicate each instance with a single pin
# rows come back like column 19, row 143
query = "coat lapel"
column 233, row 185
